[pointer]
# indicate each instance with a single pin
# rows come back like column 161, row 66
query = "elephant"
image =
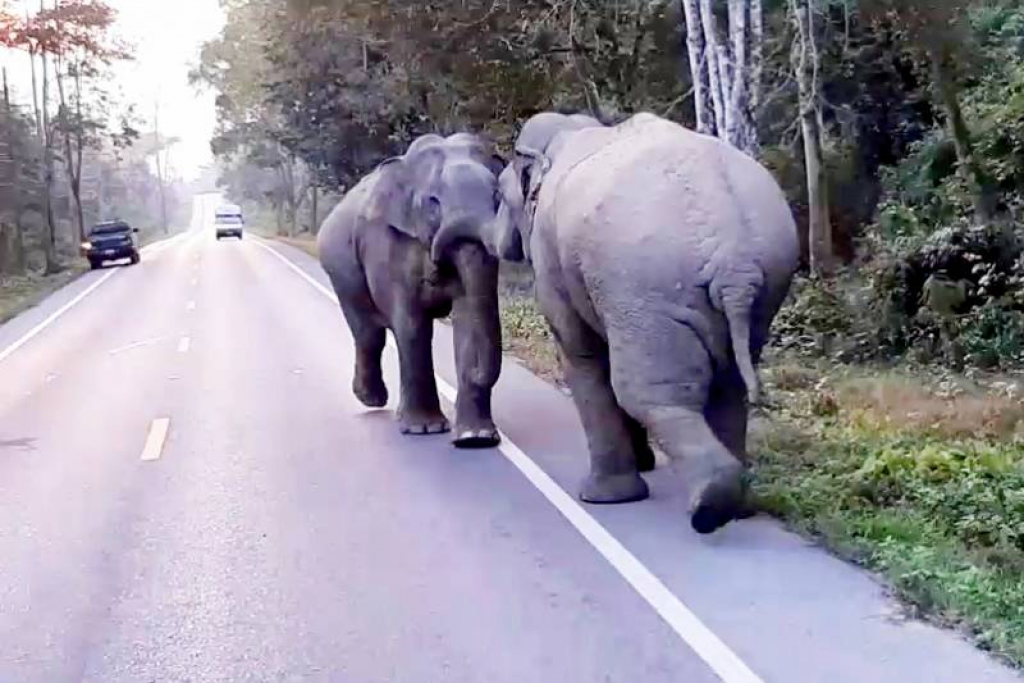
column 404, row 248
column 661, row 257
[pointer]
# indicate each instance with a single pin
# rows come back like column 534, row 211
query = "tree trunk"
column 756, row 53
column 716, row 70
column 703, row 106
column 314, row 225
column 982, row 195
column 742, row 132
column 805, row 64
column 12, row 250
column 35, row 94
column 160, row 170
column 49, row 233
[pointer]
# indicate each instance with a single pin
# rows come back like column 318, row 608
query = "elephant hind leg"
column 727, row 411
column 645, row 460
column 662, row 375
column 614, row 476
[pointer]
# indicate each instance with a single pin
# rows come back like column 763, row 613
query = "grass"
column 20, row 293
column 306, row 244
column 918, row 478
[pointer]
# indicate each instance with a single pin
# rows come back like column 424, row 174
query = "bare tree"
column 806, row 63
column 726, row 69
column 161, row 183
column 695, row 47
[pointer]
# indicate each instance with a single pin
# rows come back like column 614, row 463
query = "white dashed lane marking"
column 155, row 439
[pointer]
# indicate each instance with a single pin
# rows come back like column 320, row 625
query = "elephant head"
column 520, row 181
column 441, row 191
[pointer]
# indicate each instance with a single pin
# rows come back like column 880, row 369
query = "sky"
column 166, row 36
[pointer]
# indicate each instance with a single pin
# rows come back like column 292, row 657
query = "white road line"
column 184, row 345
column 28, row 336
column 155, row 439
column 687, row 625
column 135, row 345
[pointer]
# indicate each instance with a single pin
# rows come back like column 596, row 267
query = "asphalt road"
column 189, row 492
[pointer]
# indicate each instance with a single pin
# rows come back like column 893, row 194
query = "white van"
column 228, row 221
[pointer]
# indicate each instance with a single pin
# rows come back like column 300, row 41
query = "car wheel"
column 136, row 258
column 94, row 265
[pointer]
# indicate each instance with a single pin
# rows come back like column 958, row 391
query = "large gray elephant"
column 403, row 248
column 661, row 257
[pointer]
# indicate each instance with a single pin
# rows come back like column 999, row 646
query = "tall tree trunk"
column 742, row 132
column 49, row 233
column 805, row 64
column 74, row 180
column 756, row 53
column 160, row 170
column 279, row 210
column 716, row 70
column 79, row 156
column 12, row 248
column 982, row 195
column 35, row 93
column 314, row 225
column 704, row 109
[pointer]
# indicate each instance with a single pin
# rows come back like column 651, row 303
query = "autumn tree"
column 78, row 34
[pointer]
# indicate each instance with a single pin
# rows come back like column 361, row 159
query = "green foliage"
column 941, row 517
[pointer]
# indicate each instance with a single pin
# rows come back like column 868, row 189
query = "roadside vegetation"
column 21, row 292
column 892, row 427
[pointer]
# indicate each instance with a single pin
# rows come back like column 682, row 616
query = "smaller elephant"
column 661, row 257
column 404, row 248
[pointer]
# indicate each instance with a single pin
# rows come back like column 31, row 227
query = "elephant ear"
column 530, row 166
column 404, row 195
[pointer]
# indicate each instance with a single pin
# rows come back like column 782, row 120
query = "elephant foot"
column 645, row 460
column 720, row 501
column 423, row 423
column 616, row 488
column 371, row 393
column 476, row 437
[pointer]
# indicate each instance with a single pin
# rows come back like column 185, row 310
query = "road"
column 189, row 492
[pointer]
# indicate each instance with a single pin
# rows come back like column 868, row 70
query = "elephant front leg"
column 419, row 410
column 477, row 328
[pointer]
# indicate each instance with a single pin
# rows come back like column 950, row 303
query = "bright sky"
column 166, row 36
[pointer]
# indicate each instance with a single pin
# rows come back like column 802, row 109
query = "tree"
column 726, row 68
column 807, row 66
column 938, row 30
column 78, row 35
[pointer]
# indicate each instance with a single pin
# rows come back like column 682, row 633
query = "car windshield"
column 229, row 219
column 110, row 229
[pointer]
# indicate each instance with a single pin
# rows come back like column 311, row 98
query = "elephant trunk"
column 452, row 232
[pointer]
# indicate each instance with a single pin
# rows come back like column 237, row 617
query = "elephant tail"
column 737, row 303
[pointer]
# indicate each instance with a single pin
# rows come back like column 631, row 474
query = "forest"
column 73, row 150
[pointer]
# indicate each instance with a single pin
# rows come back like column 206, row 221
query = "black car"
column 111, row 241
